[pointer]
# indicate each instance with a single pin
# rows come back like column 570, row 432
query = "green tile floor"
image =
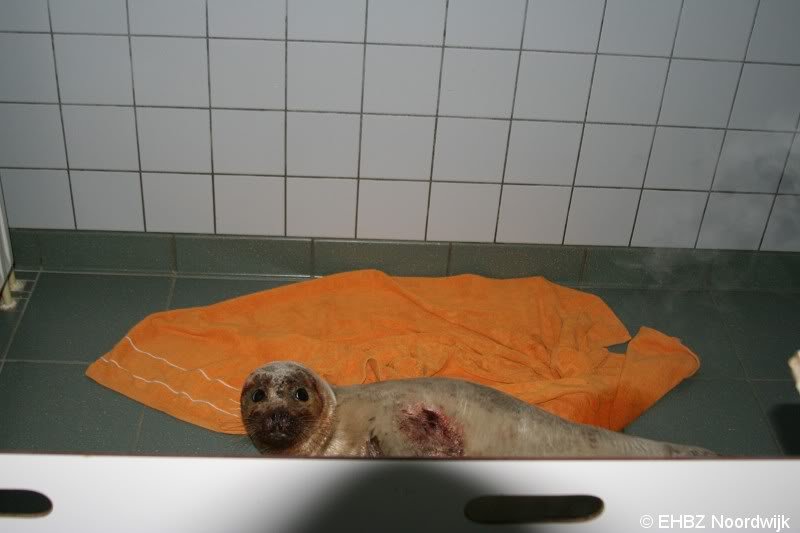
column 741, row 402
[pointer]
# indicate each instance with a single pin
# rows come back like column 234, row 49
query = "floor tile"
column 691, row 316
column 781, row 404
column 8, row 320
column 721, row 415
column 193, row 292
column 763, row 327
column 79, row 317
column 396, row 259
column 162, row 434
column 56, row 408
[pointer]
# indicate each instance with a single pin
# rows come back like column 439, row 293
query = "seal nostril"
column 258, row 395
column 301, row 394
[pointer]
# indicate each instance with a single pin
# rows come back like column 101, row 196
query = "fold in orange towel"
column 541, row 342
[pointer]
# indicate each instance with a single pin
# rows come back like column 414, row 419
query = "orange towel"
column 541, row 342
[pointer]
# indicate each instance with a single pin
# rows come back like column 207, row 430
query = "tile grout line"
column 411, row 180
column 210, row 126
column 361, row 117
column 727, row 124
column 436, row 120
column 393, row 114
column 765, row 414
column 583, row 124
column 778, row 188
column 171, row 291
column 397, row 44
column 61, row 116
column 14, row 330
column 658, row 119
column 726, row 327
column 511, row 119
column 286, row 118
column 135, row 114
column 138, row 433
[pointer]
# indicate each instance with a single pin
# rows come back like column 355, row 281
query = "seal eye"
column 258, row 395
column 301, row 394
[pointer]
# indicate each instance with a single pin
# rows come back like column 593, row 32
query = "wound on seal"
column 431, row 432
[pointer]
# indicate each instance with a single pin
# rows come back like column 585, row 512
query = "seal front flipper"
column 430, row 432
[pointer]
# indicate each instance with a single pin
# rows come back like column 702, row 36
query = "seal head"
column 287, row 409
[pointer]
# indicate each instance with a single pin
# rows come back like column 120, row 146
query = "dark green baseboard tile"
column 586, row 266
column 211, row 254
column 106, row 251
column 646, row 267
column 25, row 248
column 392, row 257
column 557, row 263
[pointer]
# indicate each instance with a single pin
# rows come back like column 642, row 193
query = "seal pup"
column 289, row 410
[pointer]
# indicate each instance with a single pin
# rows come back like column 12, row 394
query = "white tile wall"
column 249, row 205
column 715, row 29
column 775, row 35
column 640, row 26
column 614, row 156
column 247, row 142
column 37, row 198
column 26, row 63
column 392, row 210
column 534, row 214
column 485, row 23
column 101, row 137
column 699, row 93
column 409, row 22
column 24, row 15
column 342, row 20
column 31, row 136
column 94, row 69
column 745, row 212
column 104, row 16
column 553, row 86
column 179, row 203
column 791, row 175
column 247, row 73
column 669, row 219
column 170, row 71
column 569, row 25
column 401, row 79
column 601, row 216
column 542, row 152
column 362, row 124
column 683, row 158
column 396, row 147
column 107, row 200
column 462, row 211
column 322, row 144
column 783, row 230
column 247, row 18
column 752, row 161
column 478, row 82
column 470, row 149
column 768, row 97
column 627, row 89
column 320, row 207
column 176, row 140
column 324, row 77
column 172, row 17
